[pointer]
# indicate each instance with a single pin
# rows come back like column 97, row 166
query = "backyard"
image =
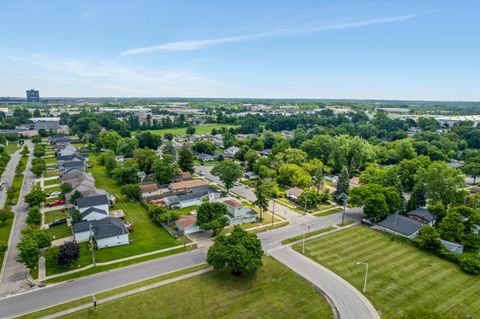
column 273, row 292
column 401, row 277
column 199, row 129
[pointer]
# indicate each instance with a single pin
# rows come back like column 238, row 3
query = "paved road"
column 348, row 301
column 8, row 175
column 15, row 273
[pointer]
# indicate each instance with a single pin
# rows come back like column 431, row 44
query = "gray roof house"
column 68, row 166
column 54, row 139
column 422, row 215
column 107, row 232
column 191, row 199
column 99, row 201
column 401, row 225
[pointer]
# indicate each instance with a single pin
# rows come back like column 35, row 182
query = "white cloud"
column 190, row 45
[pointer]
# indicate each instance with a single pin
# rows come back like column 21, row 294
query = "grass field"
column 273, row 292
column 401, row 277
column 51, row 173
column 50, row 160
column 54, row 215
column 59, row 231
column 11, row 148
column 52, row 181
column 17, row 182
column 199, row 129
column 329, row 212
column 5, row 229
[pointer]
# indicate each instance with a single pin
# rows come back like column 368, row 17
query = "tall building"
column 33, row 96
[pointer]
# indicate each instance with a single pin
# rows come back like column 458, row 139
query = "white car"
column 57, row 193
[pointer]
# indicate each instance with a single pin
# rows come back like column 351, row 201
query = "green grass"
column 273, row 292
column 308, row 235
column 52, row 199
column 52, row 181
column 59, row 231
column 52, row 189
column 329, row 212
column 50, row 160
column 51, row 173
column 5, row 229
column 11, row 148
column 401, row 277
column 17, row 182
column 185, row 210
column 199, row 129
column 54, row 215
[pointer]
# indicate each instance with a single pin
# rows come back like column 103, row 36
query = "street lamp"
column 344, row 199
column 366, row 275
column 303, row 241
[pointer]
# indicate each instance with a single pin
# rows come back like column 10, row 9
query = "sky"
column 407, row 50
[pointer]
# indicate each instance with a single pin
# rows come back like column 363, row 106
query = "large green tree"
column 212, row 216
column 164, row 169
column 377, row 201
column 145, row 158
column 126, row 146
column 185, row 160
column 265, row 189
column 443, row 183
column 35, row 197
column 241, row 252
column 229, row 172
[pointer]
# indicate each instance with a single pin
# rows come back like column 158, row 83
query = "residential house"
column 91, row 213
column 422, row 215
column 66, row 150
column 205, row 157
column 265, row 152
column 54, row 139
column 141, row 175
column 150, row 190
column 239, row 213
column 193, row 198
column 293, row 193
column 250, row 175
column 72, row 157
column 68, row 166
column 99, row 201
column 187, row 224
column 107, row 232
column 187, row 185
column 401, row 225
column 231, row 151
column 184, row 176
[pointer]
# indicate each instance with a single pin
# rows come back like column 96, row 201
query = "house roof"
column 401, row 224
column 73, row 164
column 70, row 157
column 186, row 220
column 94, row 210
column 103, row 228
column 355, row 180
column 188, row 184
column 149, row 188
column 186, row 175
column 295, row 191
column 92, row 201
column 423, row 213
column 233, row 202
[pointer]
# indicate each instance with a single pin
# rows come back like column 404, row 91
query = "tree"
column 206, row 147
column 265, row 189
column 190, row 130
column 68, row 253
column 38, row 169
column 293, row 175
column 212, row 216
column 428, row 238
column 126, row 175
column 168, row 136
column 65, row 188
column 108, row 140
column 29, row 253
column 40, row 236
column 76, row 195
column 240, row 252
column 228, row 172
column 451, row 227
column 165, row 169
column 126, row 146
column 377, row 201
column 250, row 125
column 145, row 158
column 309, row 198
column 76, row 216
column 315, row 169
column 6, row 214
column 442, row 183
column 343, row 182
column 472, row 167
column 34, row 216
column 132, row 192
column 35, row 198
column 438, row 210
column 149, row 140
column 185, row 160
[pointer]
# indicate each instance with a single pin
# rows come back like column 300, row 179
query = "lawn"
column 50, row 160
column 51, row 173
column 5, row 229
column 52, row 189
column 17, row 182
column 401, row 277
column 11, row 148
column 199, row 129
column 54, row 215
column 52, row 199
column 273, row 292
column 329, row 212
column 52, row 181
column 59, row 231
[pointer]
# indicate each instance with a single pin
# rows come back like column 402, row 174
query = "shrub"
column 68, row 253
column 470, row 265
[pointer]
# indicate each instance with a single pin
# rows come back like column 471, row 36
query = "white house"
column 187, row 224
column 238, row 213
column 190, row 199
column 100, row 202
column 293, row 193
column 107, row 232
column 231, row 151
column 66, row 150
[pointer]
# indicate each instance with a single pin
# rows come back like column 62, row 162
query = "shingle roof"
column 401, row 224
column 186, row 220
column 94, row 210
column 149, row 188
column 294, row 191
column 423, row 213
column 188, row 184
column 74, row 164
column 92, row 201
column 103, row 228
column 233, row 202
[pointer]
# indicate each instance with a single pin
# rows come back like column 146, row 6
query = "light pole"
column 303, row 241
column 91, row 246
column 344, row 199
column 366, row 275
column 273, row 212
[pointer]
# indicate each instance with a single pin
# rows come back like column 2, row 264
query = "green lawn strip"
column 52, row 181
column 50, row 190
column 5, row 229
column 185, row 210
column 50, row 160
column 98, row 269
column 59, row 231
column 54, row 215
column 78, row 302
column 11, row 148
column 199, row 129
column 401, row 277
column 17, row 182
column 51, row 173
column 329, row 212
column 249, row 182
column 275, row 226
column 308, row 235
column 52, row 199
column 273, row 292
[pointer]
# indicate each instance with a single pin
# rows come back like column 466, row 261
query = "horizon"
column 333, row 50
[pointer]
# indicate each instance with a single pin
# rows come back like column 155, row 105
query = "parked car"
column 56, row 193
column 367, row 222
column 56, row 203
column 57, row 222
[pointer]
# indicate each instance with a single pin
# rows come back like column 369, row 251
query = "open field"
column 273, row 292
column 401, row 277
column 199, row 129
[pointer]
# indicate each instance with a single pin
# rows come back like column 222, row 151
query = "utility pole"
column 91, row 246
column 273, row 213
column 366, row 275
column 303, row 242
column 344, row 199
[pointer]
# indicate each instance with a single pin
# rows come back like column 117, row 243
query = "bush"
column 470, row 265
column 68, row 253
column 34, row 216
column 3, row 247
column 132, row 192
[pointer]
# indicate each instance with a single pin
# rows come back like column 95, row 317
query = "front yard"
column 59, row 231
column 401, row 277
column 54, row 215
column 52, row 182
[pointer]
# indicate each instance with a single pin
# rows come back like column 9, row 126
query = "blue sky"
column 281, row 49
